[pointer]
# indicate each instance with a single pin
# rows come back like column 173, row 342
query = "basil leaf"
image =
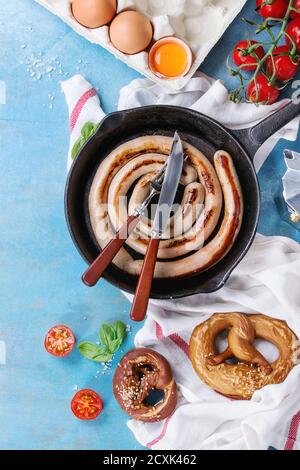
column 104, row 357
column 76, row 147
column 115, row 345
column 87, row 130
column 88, row 350
column 94, row 352
column 112, row 337
column 107, row 334
column 114, row 342
column 120, row 329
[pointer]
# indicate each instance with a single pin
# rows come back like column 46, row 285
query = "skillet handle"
column 252, row 139
column 142, row 293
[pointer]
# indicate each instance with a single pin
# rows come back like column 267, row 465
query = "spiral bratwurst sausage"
column 188, row 247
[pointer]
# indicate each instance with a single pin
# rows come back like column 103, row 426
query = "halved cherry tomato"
column 285, row 65
column 262, row 92
column 272, row 8
column 247, row 56
column 60, row 341
column 293, row 31
column 86, row 405
column 296, row 14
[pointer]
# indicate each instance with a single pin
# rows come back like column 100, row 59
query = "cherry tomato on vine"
column 285, row 65
column 262, row 92
column 295, row 14
column 86, row 405
column 272, row 8
column 293, row 31
column 247, row 56
column 60, row 341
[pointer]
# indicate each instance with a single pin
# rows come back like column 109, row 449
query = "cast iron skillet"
column 205, row 134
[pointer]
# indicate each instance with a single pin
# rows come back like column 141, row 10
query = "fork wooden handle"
column 99, row 266
column 142, row 293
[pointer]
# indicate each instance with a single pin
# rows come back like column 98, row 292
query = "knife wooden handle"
column 142, row 293
column 99, row 266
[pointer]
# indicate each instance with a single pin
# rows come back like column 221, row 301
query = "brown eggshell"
column 166, row 40
column 94, row 13
column 131, row 32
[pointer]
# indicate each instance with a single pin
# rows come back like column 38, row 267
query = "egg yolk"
column 170, row 60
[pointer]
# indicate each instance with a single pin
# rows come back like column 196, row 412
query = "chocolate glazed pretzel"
column 139, row 372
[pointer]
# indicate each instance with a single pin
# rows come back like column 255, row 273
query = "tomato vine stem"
column 260, row 62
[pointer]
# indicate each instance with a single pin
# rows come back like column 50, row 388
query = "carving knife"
column 165, row 204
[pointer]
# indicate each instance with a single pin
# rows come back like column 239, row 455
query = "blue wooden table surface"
column 40, row 269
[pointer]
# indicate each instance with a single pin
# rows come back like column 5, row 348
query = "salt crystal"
column 75, row 387
column 2, row 353
column 23, row 46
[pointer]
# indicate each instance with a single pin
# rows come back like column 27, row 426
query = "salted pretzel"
column 252, row 371
column 139, row 372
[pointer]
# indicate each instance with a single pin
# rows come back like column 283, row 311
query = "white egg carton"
column 201, row 23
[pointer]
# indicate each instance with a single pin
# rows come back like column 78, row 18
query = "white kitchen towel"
column 202, row 93
column 266, row 281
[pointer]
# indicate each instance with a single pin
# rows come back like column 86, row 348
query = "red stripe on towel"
column 292, row 437
column 79, row 106
column 180, row 343
column 159, row 332
column 162, row 434
column 174, row 337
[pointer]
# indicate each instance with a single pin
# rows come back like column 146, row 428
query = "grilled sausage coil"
column 139, row 372
column 186, row 251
